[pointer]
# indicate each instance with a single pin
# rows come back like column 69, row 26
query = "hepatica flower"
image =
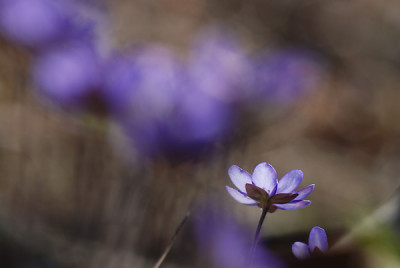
column 67, row 74
column 317, row 244
column 287, row 75
column 263, row 189
column 34, row 23
column 160, row 107
column 220, row 67
column 221, row 237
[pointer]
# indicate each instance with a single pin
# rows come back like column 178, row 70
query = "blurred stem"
column 172, row 241
column 257, row 235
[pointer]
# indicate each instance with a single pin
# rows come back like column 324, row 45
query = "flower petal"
column 290, row 181
column 239, row 177
column 304, row 192
column 241, row 198
column 318, row 239
column 264, row 176
column 293, row 205
column 273, row 192
column 301, row 250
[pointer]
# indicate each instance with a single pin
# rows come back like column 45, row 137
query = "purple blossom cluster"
column 163, row 104
column 67, row 66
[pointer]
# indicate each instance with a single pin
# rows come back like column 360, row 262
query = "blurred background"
column 120, row 117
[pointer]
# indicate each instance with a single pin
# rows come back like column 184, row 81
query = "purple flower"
column 67, row 74
column 317, row 244
column 160, row 107
column 200, row 119
column 226, row 242
column 262, row 188
column 220, row 67
column 34, row 23
column 144, row 83
column 142, row 89
column 286, row 75
column 196, row 122
column 120, row 83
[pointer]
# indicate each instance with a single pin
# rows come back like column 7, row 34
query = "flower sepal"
column 258, row 194
column 264, row 201
column 282, row 198
column 317, row 252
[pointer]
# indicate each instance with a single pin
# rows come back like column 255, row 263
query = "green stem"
column 257, row 235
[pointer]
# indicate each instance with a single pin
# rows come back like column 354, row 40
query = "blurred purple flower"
column 159, row 105
column 39, row 24
column 34, row 23
column 201, row 119
column 120, row 80
column 262, row 188
column 222, row 239
column 288, row 74
column 220, row 67
column 317, row 244
column 146, row 83
column 67, row 74
column 198, row 122
column 142, row 90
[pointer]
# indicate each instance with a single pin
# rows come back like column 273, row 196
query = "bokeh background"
column 310, row 85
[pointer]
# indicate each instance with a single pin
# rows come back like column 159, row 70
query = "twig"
column 172, row 241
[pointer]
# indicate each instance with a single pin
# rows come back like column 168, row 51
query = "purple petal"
column 241, row 198
column 273, row 192
column 293, row 205
column 304, row 192
column 264, row 176
column 318, row 239
column 239, row 177
column 290, row 181
column 300, row 250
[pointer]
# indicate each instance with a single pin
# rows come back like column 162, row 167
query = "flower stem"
column 172, row 241
column 257, row 235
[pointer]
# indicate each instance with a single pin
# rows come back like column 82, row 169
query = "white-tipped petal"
column 264, row 176
column 301, row 250
column 304, row 192
column 318, row 239
column 293, row 204
column 239, row 177
column 241, row 198
column 290, row 181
